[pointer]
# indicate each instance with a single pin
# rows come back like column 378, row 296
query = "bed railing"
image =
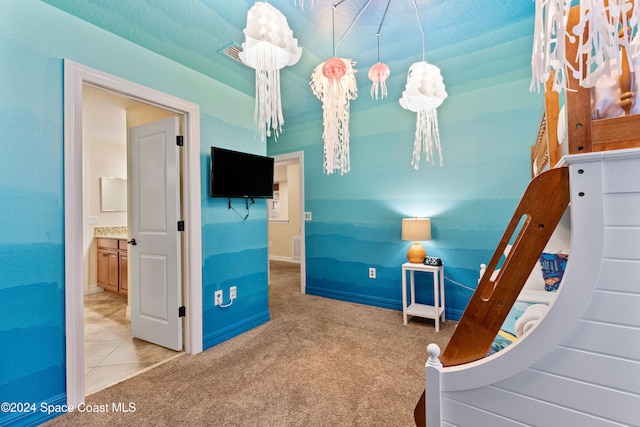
column 536, row 217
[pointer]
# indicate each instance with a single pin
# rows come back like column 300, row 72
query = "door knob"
column 132, row 242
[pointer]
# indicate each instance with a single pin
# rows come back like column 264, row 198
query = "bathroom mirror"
column 113, row 194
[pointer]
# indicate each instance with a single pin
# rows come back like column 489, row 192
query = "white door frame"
column 75, row 75
column 299, row 156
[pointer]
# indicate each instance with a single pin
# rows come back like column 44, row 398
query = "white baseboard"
column 284, row 259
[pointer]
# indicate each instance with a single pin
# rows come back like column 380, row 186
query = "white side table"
column 435, row 311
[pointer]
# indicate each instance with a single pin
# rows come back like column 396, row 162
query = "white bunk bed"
column 580, row 364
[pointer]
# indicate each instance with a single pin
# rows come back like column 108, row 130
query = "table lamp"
column 416, row 229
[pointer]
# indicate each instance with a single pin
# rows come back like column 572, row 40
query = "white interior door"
column 155, row 286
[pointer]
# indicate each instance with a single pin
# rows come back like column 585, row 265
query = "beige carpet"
column 318, row 362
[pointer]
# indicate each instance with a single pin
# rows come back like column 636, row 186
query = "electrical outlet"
column 217, row 298
column 372, row 273
column 232, row 293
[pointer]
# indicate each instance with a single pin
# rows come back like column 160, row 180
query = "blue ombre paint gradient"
column 486, row 126
column 235, row 254
column 35, row 38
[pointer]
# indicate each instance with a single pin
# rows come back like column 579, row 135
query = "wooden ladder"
column 537, row 215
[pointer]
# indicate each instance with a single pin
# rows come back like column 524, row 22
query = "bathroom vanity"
column 112, row 265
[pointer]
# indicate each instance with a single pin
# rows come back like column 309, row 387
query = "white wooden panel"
column 593, row 378
column 153, row 184
column 491, row 406
column 614, row 307
column 153, row 290
column 567, row 397
column 618, row 176
column 459, row 415
column 617, row 341
column 433, row 387
column 621, row 209
column 591, row 368
column 622, row 243
column 620, row 275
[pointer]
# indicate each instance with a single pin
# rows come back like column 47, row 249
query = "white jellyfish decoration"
column 423, row 94
column 269, row 46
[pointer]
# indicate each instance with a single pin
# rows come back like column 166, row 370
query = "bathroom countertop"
column 112, row 236
column 119, row 233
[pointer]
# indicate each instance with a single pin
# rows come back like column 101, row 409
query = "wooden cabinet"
column 122, row 275
column 112, row 265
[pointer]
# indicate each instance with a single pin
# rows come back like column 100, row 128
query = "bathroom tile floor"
column 111, row 354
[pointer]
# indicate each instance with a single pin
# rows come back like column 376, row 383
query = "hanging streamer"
column 597, row 34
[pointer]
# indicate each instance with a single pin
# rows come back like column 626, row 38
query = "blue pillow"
column 553, row 266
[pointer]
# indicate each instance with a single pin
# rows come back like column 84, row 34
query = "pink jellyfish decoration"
column 334, row 68
column 378, row 74
column 333, row 82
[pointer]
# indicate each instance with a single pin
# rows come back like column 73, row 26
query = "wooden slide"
column 536, row 217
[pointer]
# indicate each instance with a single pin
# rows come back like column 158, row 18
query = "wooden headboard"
column 584, row 134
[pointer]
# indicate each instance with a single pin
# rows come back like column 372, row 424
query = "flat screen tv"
column 236, row 174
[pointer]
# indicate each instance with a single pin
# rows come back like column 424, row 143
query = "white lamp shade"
column 425, row 88
column 416, row 229
column 253, row 53
column 268, row 29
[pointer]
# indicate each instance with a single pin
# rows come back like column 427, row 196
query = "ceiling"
column 195, row 32
column 106, row 116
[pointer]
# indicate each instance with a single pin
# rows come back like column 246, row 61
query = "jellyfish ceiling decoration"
column 269, row 46
column 333, row 82
column 423, row 94
column 603, row 19
column 379, row 72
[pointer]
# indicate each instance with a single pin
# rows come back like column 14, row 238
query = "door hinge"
column 180, row 225
column 179, row 140
column 182, row 311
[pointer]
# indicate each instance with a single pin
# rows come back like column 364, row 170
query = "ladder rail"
column 537, row 215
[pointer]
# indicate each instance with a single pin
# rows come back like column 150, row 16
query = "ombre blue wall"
column 34, row 40
column 486, row 126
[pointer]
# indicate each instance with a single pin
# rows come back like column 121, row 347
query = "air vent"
column 232, row 52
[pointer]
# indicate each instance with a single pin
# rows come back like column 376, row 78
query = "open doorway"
column 286, row 213
column 111, row 353
column 76, row 77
